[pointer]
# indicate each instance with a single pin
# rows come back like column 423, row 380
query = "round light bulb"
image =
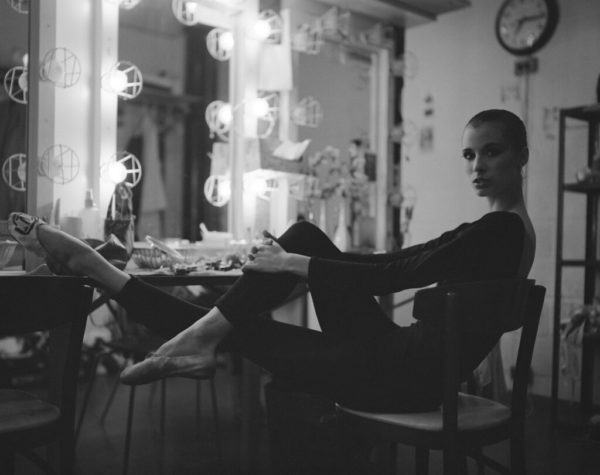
column 226, row 41
column 261, row 30
column 257, row 186
column 225, row 114
column 259, row 107
column 116, row 172
column 23, row 81
column 54, row 71
column 225, row 190
column 22, row 171
column 117, row 80
column 190, row 8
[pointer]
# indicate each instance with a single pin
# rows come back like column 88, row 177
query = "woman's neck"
column 508, row 202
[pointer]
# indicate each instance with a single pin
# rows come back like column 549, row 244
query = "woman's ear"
column 523, row 157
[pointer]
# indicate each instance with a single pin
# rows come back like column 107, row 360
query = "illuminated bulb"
column 116, row 172
column 23, row 81
column 226, row 41
column 22, row 171
column 259, row 107
column 257, row 186
column 191, row 8
column 55, row 71
column 25, row 60
column 117, row 80
column 225, row 114
column 225, row 190
column 261, row 30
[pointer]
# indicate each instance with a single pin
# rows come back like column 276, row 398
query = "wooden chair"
column 465, row 424
column 30, row 304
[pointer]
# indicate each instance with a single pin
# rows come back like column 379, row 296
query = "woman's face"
column 492, row 163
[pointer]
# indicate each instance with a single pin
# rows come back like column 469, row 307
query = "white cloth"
column 153, row 197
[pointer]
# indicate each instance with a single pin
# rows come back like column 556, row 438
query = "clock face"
column 524, row 26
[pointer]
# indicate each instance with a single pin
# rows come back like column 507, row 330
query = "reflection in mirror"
column 334, row 114
column 13, row 107
column 165, row 126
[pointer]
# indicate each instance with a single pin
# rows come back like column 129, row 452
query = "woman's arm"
column 488, row 248
column 271, row 257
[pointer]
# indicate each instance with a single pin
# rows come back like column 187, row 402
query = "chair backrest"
column 533, row 311
column 483, row 311
column 58, row 304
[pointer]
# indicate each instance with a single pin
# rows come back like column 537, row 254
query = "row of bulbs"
column 263, row 109
column 60, row 164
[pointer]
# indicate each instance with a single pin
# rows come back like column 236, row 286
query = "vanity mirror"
column 340, row 103
column 14, row 25
column 165, row 125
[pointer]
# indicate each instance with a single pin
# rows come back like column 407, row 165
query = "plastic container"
column 92, row 224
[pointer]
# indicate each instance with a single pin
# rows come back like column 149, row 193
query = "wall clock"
column 525, row 26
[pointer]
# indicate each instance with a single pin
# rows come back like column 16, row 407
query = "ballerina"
column 360, row 358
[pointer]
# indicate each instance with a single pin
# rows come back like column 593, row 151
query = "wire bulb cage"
column 261, row 183
column 219, row 43
column 264, row 109
column 61, row 67
column 122, row 167
column 20, row 6
column 268, row 27
column 308, row 113
column 404, row 133
column 406, row 65
column 334, row 23
column 14, row 171
column 217, row 190
column 123, row 79
column 60, row 164
column 128, row 4
column 219, row 117
column 187, row 12
column 307, row 39
column 16, row 84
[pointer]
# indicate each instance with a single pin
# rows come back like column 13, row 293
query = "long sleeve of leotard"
column 488, row 248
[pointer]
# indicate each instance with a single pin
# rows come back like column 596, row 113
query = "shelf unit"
column 590, row 264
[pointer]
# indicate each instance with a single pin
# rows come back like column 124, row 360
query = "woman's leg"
column 160, row 311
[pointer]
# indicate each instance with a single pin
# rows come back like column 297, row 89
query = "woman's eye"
column 468, row 156
column 492, row 152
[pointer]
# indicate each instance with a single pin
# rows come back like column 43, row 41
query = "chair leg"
column 163, row 397
column 128, row 430
column 393, row 458
column 421, row 460
column 111, row 397
column 198, row 404
column 451, row 462
column 7, row 461
column 213, row 395
column 517, row 456
column 86, row 398
column 477, row 455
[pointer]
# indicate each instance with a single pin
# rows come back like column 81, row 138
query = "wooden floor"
column 188, row 445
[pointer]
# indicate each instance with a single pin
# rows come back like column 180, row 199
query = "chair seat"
column 474, row 414
column 22, row 412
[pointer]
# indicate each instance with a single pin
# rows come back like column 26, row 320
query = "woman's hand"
column 269, row 256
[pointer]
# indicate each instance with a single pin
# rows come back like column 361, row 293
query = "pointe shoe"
column 23, row 228
column 157, row 367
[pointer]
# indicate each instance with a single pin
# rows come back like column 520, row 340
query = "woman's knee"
column 303, row 237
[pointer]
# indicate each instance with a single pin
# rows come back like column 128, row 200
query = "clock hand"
column 527, row 19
